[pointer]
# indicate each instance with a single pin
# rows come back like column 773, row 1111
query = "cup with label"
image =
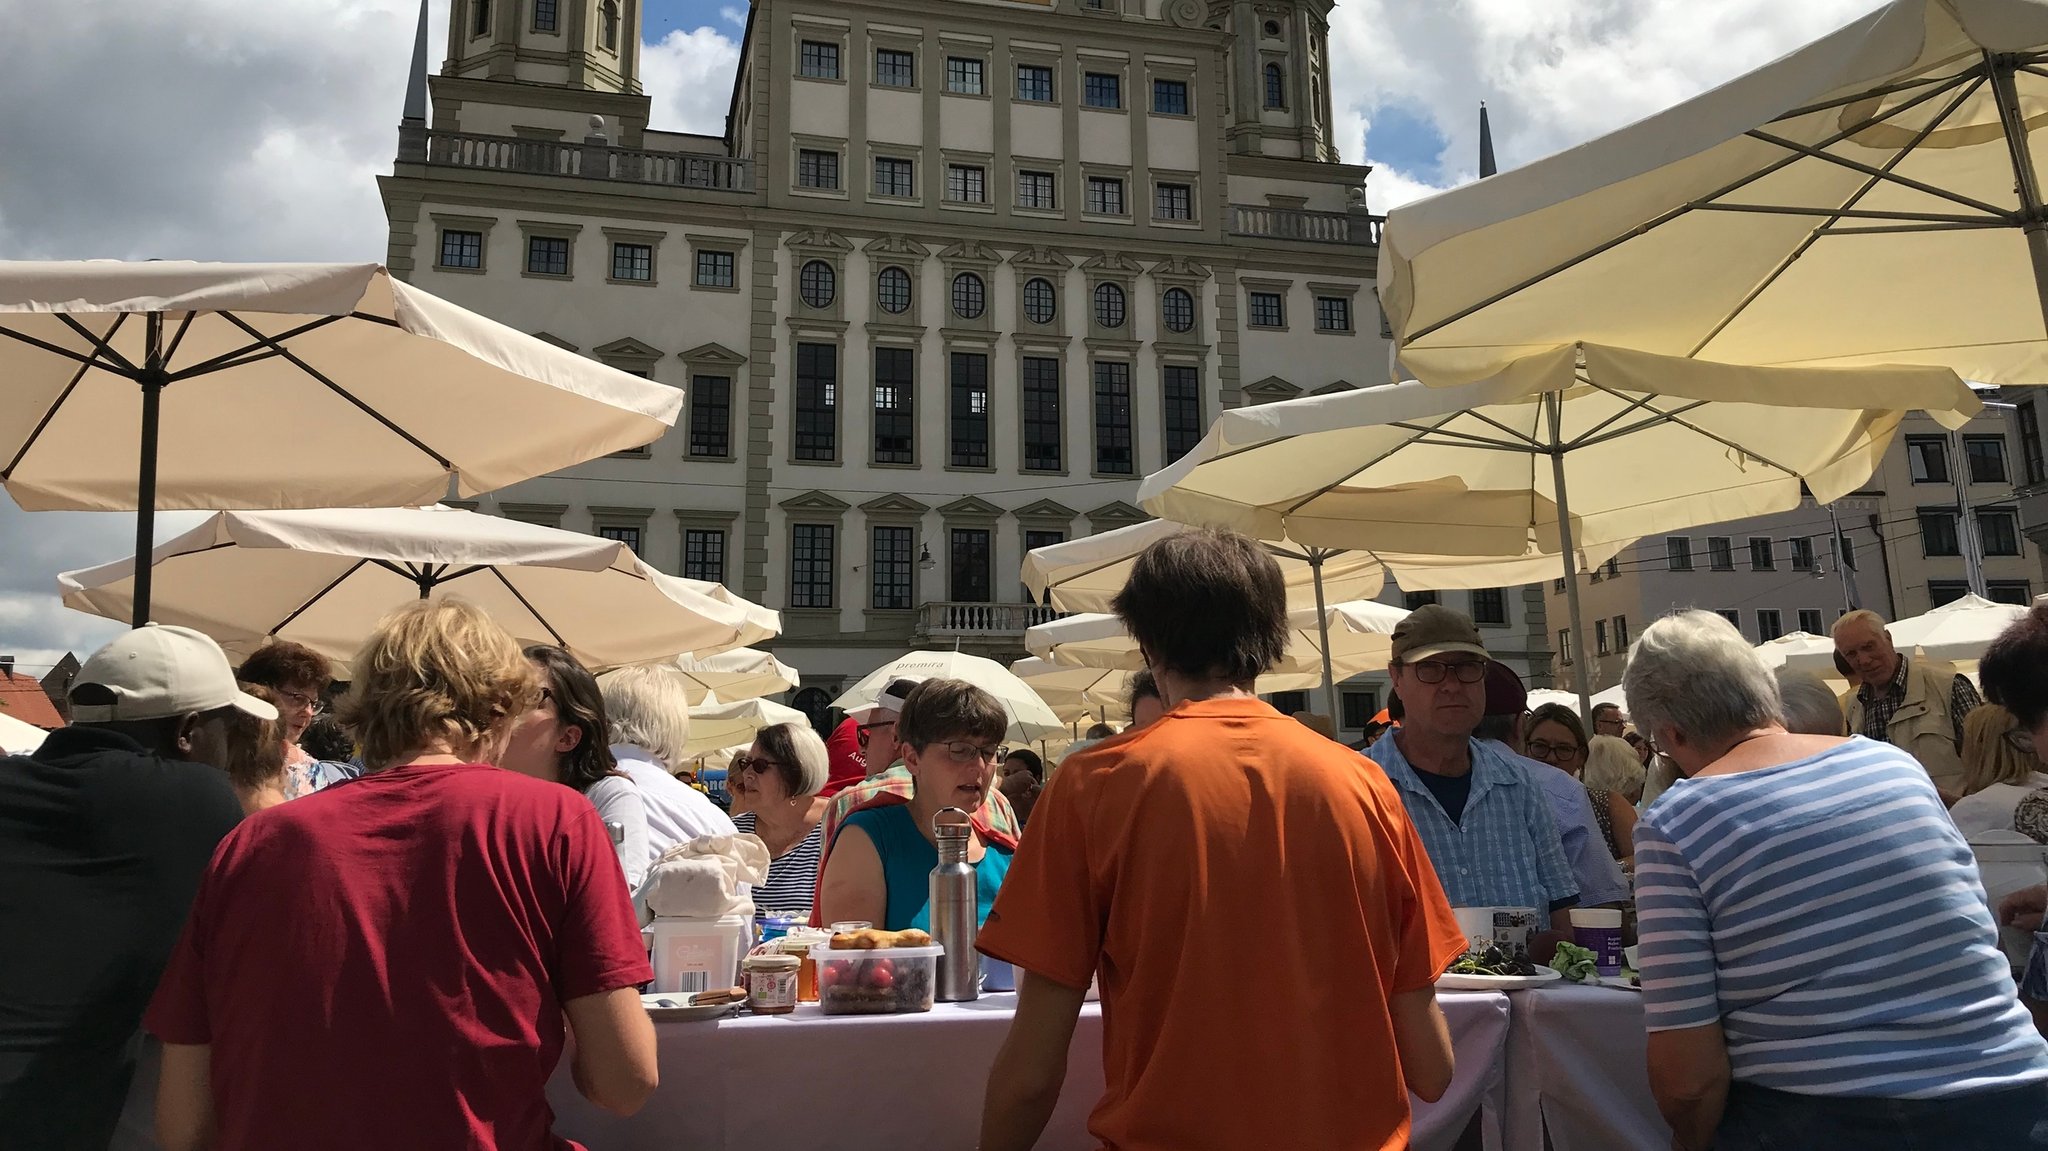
column 1508, row 928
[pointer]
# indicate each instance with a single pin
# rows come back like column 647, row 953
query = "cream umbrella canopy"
column 1073, row 693
column 741, row 674
column 1030, row 718
column 1359, row 639
column 1956, row 632
column 1873, row 198
column 18, row 738
column 324, row 578
column 716, row 724
column 169, row 384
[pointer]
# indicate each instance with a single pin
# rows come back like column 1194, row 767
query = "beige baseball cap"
column 158, row 671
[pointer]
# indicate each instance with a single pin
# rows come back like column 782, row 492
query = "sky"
column 232, row 130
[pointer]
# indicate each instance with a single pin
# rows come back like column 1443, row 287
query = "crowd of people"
column 435, row 895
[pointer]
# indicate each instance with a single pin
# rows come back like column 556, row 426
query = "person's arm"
column 2024, row 908
column 615, row 1065
column 1423, row 1039
column 854, row 887
column 1689, row 1077
column 618, row 800
column 184, row 1098
column 1024, row 1085
column 1624, row 816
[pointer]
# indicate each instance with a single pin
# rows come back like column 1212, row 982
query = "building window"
column 817, row 284
column 1844, row 550
column 711, row 416
column 966, row 184
column 1266, row 310
column 1769, row 624
column 1809, row 621
column 547, row 255
column 1102, row 90
column 963, row 75
column 2031, row 460
column 892, row 290
column 1181, row 391
column 1600, row 637
column 817, row 402
column 1621, row 633
column 704, row 554
column 970, row 296
column 462, row 249
column 608, row 26
column 1113, row 418
column 970, row 410
column 480, row 17
column 1490, row 607
column 818, row 60
column 1942, row 591
column 1801, row 548
column 810, row 565
column 633, row 262
column 969, row 569
column 1999, row 533
column 622, row 534
column 1359, row 708
column 1927, row 457
column 1720, row 554
column 1938, row 532
column 1177, row 310
column 547, row 15
column 895, row 416
column 2017, row 592
column 1333, row 314
column 1042, row 538
column 1109, row 305
column 1173, row 202
column 1761, row 558
column 1041, row 302
column 1289, row 702
column 1105, row 196
column 1564, row 646
column 714, row 269
column 894, row 69
column 1678, row 550
column 1732, row 615
column 1613, row 568
column 1276, row 88
column 895, row 177
column 1987, row 458
column 1419, row 599
column 817, row 169
column 1170, row 97
column 1041, row 381
column 1035, row 190
column 1034, row 83
column 891, row 564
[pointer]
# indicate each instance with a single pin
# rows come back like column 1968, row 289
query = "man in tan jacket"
column 1917, row 707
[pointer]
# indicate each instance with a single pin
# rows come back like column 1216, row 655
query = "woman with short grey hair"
column 1758, row 877
column 775, row 787
column 1811, row 706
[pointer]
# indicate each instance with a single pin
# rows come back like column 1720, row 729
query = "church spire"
column 416, row 81
column 1487, row 167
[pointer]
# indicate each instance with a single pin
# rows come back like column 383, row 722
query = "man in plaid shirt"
column 1918, row 707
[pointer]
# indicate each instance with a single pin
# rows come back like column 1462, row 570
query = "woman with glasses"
column 1999, row 770
column 1556, row 737
column 776, row 784
column 297, row 677
column 879, row 866
column 561, row 739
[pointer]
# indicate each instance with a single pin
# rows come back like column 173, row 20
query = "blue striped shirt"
column 1504, row 849
column 1828, row 916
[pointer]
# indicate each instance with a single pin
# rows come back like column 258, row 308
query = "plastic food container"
column 876, row 981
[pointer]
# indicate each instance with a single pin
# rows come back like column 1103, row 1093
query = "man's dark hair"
column 159, row 736
column 1029, row 759
column 2014, row 670
column 580, row 703
column 286, row 666
column 1601, row 709
column 1142, row 686
column 326, row 739
column 1395, row 709
column 1498, row 728
column 1207, row 603
column 1100, row 731
column 939, row 710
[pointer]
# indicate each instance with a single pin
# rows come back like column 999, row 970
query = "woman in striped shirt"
column 774, row 789
column 1819, row 969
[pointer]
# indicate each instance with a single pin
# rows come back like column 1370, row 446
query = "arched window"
column 480, row 17
column 1177, row 310
column 970, row 296
column 892, row 290
column 817, row 284
column 608, row 33
column 1109, row 305
column 1276, row 87
column 1040, row 302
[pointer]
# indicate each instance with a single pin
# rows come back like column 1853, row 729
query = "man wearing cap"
column 104, row 832
column 1598, row 874
column 1482, row 818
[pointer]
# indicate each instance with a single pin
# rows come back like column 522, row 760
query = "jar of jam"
column 771, row 983
column 799, row 942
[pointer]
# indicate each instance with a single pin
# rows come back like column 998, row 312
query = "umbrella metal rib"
column 337, row 389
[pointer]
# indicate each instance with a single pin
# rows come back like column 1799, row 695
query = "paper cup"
column 1598, row 930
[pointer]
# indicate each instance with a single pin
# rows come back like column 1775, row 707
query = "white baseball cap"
column 885, row 703
column 159, row 671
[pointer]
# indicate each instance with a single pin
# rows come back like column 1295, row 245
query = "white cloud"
column 689, row 77
column 733, row 16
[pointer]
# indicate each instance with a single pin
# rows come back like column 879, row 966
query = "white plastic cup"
column 1598, row 930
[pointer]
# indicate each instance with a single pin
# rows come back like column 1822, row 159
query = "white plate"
column 688, row 1013
column 1498, row 982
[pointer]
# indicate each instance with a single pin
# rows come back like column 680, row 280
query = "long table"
column 1577, row 1071
column 803, row 1081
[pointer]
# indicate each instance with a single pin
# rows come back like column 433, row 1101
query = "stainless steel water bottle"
column 953, row 908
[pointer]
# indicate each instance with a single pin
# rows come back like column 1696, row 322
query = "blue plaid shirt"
column 1504, row 851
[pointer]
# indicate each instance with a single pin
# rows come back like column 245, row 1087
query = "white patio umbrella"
column 325, row 577
column 1074, row 693
column 1579, row 446
column 1353, row 638
column 170, row 384
column 18, row 737
column 1030, row 718
column 1956, row 632
column 740, row 674
column 1873, row 198
column 716, row 724
column 1796, row 648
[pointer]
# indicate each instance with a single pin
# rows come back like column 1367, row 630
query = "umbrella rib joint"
column 338, row 390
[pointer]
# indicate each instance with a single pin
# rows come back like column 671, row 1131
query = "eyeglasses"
column 299, row 700
column 960, row 750
column 1541, row 749
column 742, row 764
column 1434, row 671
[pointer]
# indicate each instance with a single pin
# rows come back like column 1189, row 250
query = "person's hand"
column 2024, row 908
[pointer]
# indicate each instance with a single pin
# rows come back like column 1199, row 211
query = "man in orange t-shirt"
column 1264, row 921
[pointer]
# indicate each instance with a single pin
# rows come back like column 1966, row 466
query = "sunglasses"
column 1434, row 671
column 742, row 764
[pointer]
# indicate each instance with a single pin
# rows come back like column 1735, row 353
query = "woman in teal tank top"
column 879, row 866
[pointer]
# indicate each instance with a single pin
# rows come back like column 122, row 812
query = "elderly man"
column 1918, row 708
column 1486, row 823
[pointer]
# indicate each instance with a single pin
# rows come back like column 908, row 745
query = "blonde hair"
column 435, row 670
column 648, row 706
column 1988, row 757
column 1611, row 765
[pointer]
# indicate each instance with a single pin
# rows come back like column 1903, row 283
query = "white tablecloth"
column 804, row 1081
column 1576, row 1065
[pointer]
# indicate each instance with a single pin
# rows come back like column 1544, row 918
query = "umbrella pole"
column 2033, row 218
column 151, row 379
column 1315, row 567
column 1566, row 545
